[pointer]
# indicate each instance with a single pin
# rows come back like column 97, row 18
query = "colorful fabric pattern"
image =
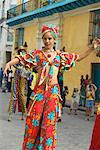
column 17, row 94
column 64, row 61
column 40, row 129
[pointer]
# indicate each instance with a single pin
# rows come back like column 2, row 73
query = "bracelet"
column 97, row 48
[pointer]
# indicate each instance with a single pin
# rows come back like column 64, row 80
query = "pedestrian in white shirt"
column 75, row 101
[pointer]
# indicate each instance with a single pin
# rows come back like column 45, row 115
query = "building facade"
column 6, row 34
column 78, row 22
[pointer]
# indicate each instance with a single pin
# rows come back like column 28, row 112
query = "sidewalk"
column 81, row 108
column 74, row 133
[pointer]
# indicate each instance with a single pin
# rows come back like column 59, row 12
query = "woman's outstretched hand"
column 95, row 43
column 7, row 67
column 94, row 46
column 10, row 63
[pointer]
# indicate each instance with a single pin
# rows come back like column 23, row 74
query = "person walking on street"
column 10, row 76
column 1, row 77
column 17, row 96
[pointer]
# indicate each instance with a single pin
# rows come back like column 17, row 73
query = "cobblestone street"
column 74, row 132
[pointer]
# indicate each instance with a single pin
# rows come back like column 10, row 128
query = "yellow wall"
column 75, row 37
column 30, row 34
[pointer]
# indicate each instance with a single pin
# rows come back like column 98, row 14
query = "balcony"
column 32, row 9
column 27, row 7
column 20, row 9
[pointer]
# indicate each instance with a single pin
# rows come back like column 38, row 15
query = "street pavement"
column 74, row 132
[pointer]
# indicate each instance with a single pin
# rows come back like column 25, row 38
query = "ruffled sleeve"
column 27, row 59
column 68, row 60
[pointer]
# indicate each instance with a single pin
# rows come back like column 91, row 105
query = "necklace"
column 49, row 53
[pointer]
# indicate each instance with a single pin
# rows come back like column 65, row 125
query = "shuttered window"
column 94, row 25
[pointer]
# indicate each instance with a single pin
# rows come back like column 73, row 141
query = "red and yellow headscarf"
column 50, row 28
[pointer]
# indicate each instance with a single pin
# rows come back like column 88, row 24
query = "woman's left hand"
column 96, row 43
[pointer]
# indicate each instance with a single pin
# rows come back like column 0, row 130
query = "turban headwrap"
column 50, row 28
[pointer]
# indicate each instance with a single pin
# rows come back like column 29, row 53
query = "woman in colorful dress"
column 18, row 90
column 41, row 120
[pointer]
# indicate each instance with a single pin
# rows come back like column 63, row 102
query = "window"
column 9, row 36
column 19, row 37
column 96, row 30
column 94, row 25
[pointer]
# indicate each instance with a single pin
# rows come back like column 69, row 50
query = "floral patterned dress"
column 40, row 128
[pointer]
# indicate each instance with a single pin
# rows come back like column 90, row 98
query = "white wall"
column 4, row 44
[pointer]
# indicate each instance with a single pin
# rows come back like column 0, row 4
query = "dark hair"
column 34, row 70
column 82, row 76
column 87, row 76
column 19, row 52
column 66, row 87
column 63, row 49
column 75, row 90
column 25, row 44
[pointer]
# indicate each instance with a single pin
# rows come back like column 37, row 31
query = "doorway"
column 95, row 74
column 8, row 56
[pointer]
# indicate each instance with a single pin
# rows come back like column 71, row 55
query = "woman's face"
column 48, row 40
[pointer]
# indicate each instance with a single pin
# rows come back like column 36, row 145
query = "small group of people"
column 87, row 95
column 84, row 81
column 6, row 81
column 23, row 83
column 42, row 115
column 84, row 97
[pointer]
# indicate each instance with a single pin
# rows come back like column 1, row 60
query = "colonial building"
column 78, row 22
column 6, row 34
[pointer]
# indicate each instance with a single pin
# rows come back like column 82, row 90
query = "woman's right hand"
column 9, row 64
column 7, row 67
